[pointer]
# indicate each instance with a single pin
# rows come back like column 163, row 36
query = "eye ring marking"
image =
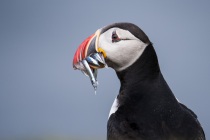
column 115, row 37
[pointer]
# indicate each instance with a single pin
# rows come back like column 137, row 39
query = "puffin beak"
column 89, row 51
column 89, row 57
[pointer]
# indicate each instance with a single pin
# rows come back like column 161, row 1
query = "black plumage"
column 147, row 108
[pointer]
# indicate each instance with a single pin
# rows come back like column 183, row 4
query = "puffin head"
column 121, row 44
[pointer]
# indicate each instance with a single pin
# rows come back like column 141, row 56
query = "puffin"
column 145, row 108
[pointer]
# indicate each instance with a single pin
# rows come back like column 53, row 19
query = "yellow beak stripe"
column 102, row 51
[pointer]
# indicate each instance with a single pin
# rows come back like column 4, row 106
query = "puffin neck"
column 143, row 82
column 140, row 79
column 145, row 68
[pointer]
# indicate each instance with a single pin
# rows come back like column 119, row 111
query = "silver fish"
column 90, row 65
column 90, row 74
column 92, row 62
column 99, row 57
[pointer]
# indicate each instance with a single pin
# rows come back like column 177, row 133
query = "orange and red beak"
column 86, row 50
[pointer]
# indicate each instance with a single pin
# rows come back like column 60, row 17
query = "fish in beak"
column 89, row 58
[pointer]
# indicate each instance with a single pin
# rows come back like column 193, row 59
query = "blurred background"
column 42, row 97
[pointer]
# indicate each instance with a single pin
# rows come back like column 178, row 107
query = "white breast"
column 114, row 107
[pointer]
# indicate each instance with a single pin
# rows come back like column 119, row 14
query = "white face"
column 123, row 53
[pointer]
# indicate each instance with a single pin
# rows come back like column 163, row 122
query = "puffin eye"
column 115, row 37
